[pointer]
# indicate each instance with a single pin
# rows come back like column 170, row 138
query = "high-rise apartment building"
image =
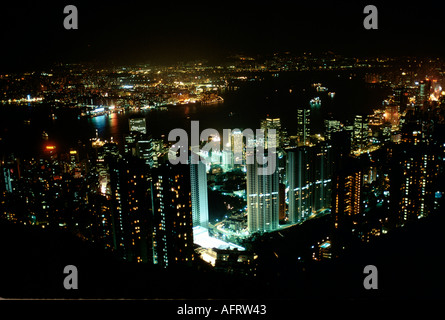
column 132, row 209
column 262, row 199
column 346, row 195
column 299, row 181
column 413, row 180
column 200, row 205
column 308, row 176
column 172, row 214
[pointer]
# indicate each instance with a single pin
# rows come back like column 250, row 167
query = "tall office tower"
column 413, row 178
column 270, row 123
column 138, row 125
column 424, row 92
column 237, row 143
column 401, row 97
column 299, row 180
column 200, row 205
column 303, row 126
column 145, row 150
column 142, row 146
column 331, row 126
column 131, row 194
column 360, row 137
column 172, row 214
column 262, row 199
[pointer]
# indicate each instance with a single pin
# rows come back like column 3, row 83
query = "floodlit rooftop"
column 201, row 238
column 325, row 245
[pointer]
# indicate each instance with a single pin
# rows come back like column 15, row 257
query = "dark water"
column 243, row 108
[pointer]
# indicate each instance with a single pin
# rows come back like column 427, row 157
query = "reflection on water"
column 241, row 109
column 99, row 124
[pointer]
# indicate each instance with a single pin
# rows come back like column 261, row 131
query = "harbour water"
column 22, row 126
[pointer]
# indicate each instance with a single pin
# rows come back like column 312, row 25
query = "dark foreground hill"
column 410, row 264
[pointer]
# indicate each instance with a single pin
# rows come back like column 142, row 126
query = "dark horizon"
column 130, row 33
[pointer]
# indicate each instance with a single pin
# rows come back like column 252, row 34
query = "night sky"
column 32, row 33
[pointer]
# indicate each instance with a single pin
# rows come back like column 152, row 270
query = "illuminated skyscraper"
column 200, row 205
column 308, row 175
column 303, row 125
column 322, row 176
column 299, row 180
column 145, row 150
column 262, row 200
column 424, row 92
column 132, row 209
column 346, row 195
column 237, row 144
column 172, row 214
column 331, row 126
column 413, row 178
column 142, row 146
column 360, row 136
column 270, row 123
